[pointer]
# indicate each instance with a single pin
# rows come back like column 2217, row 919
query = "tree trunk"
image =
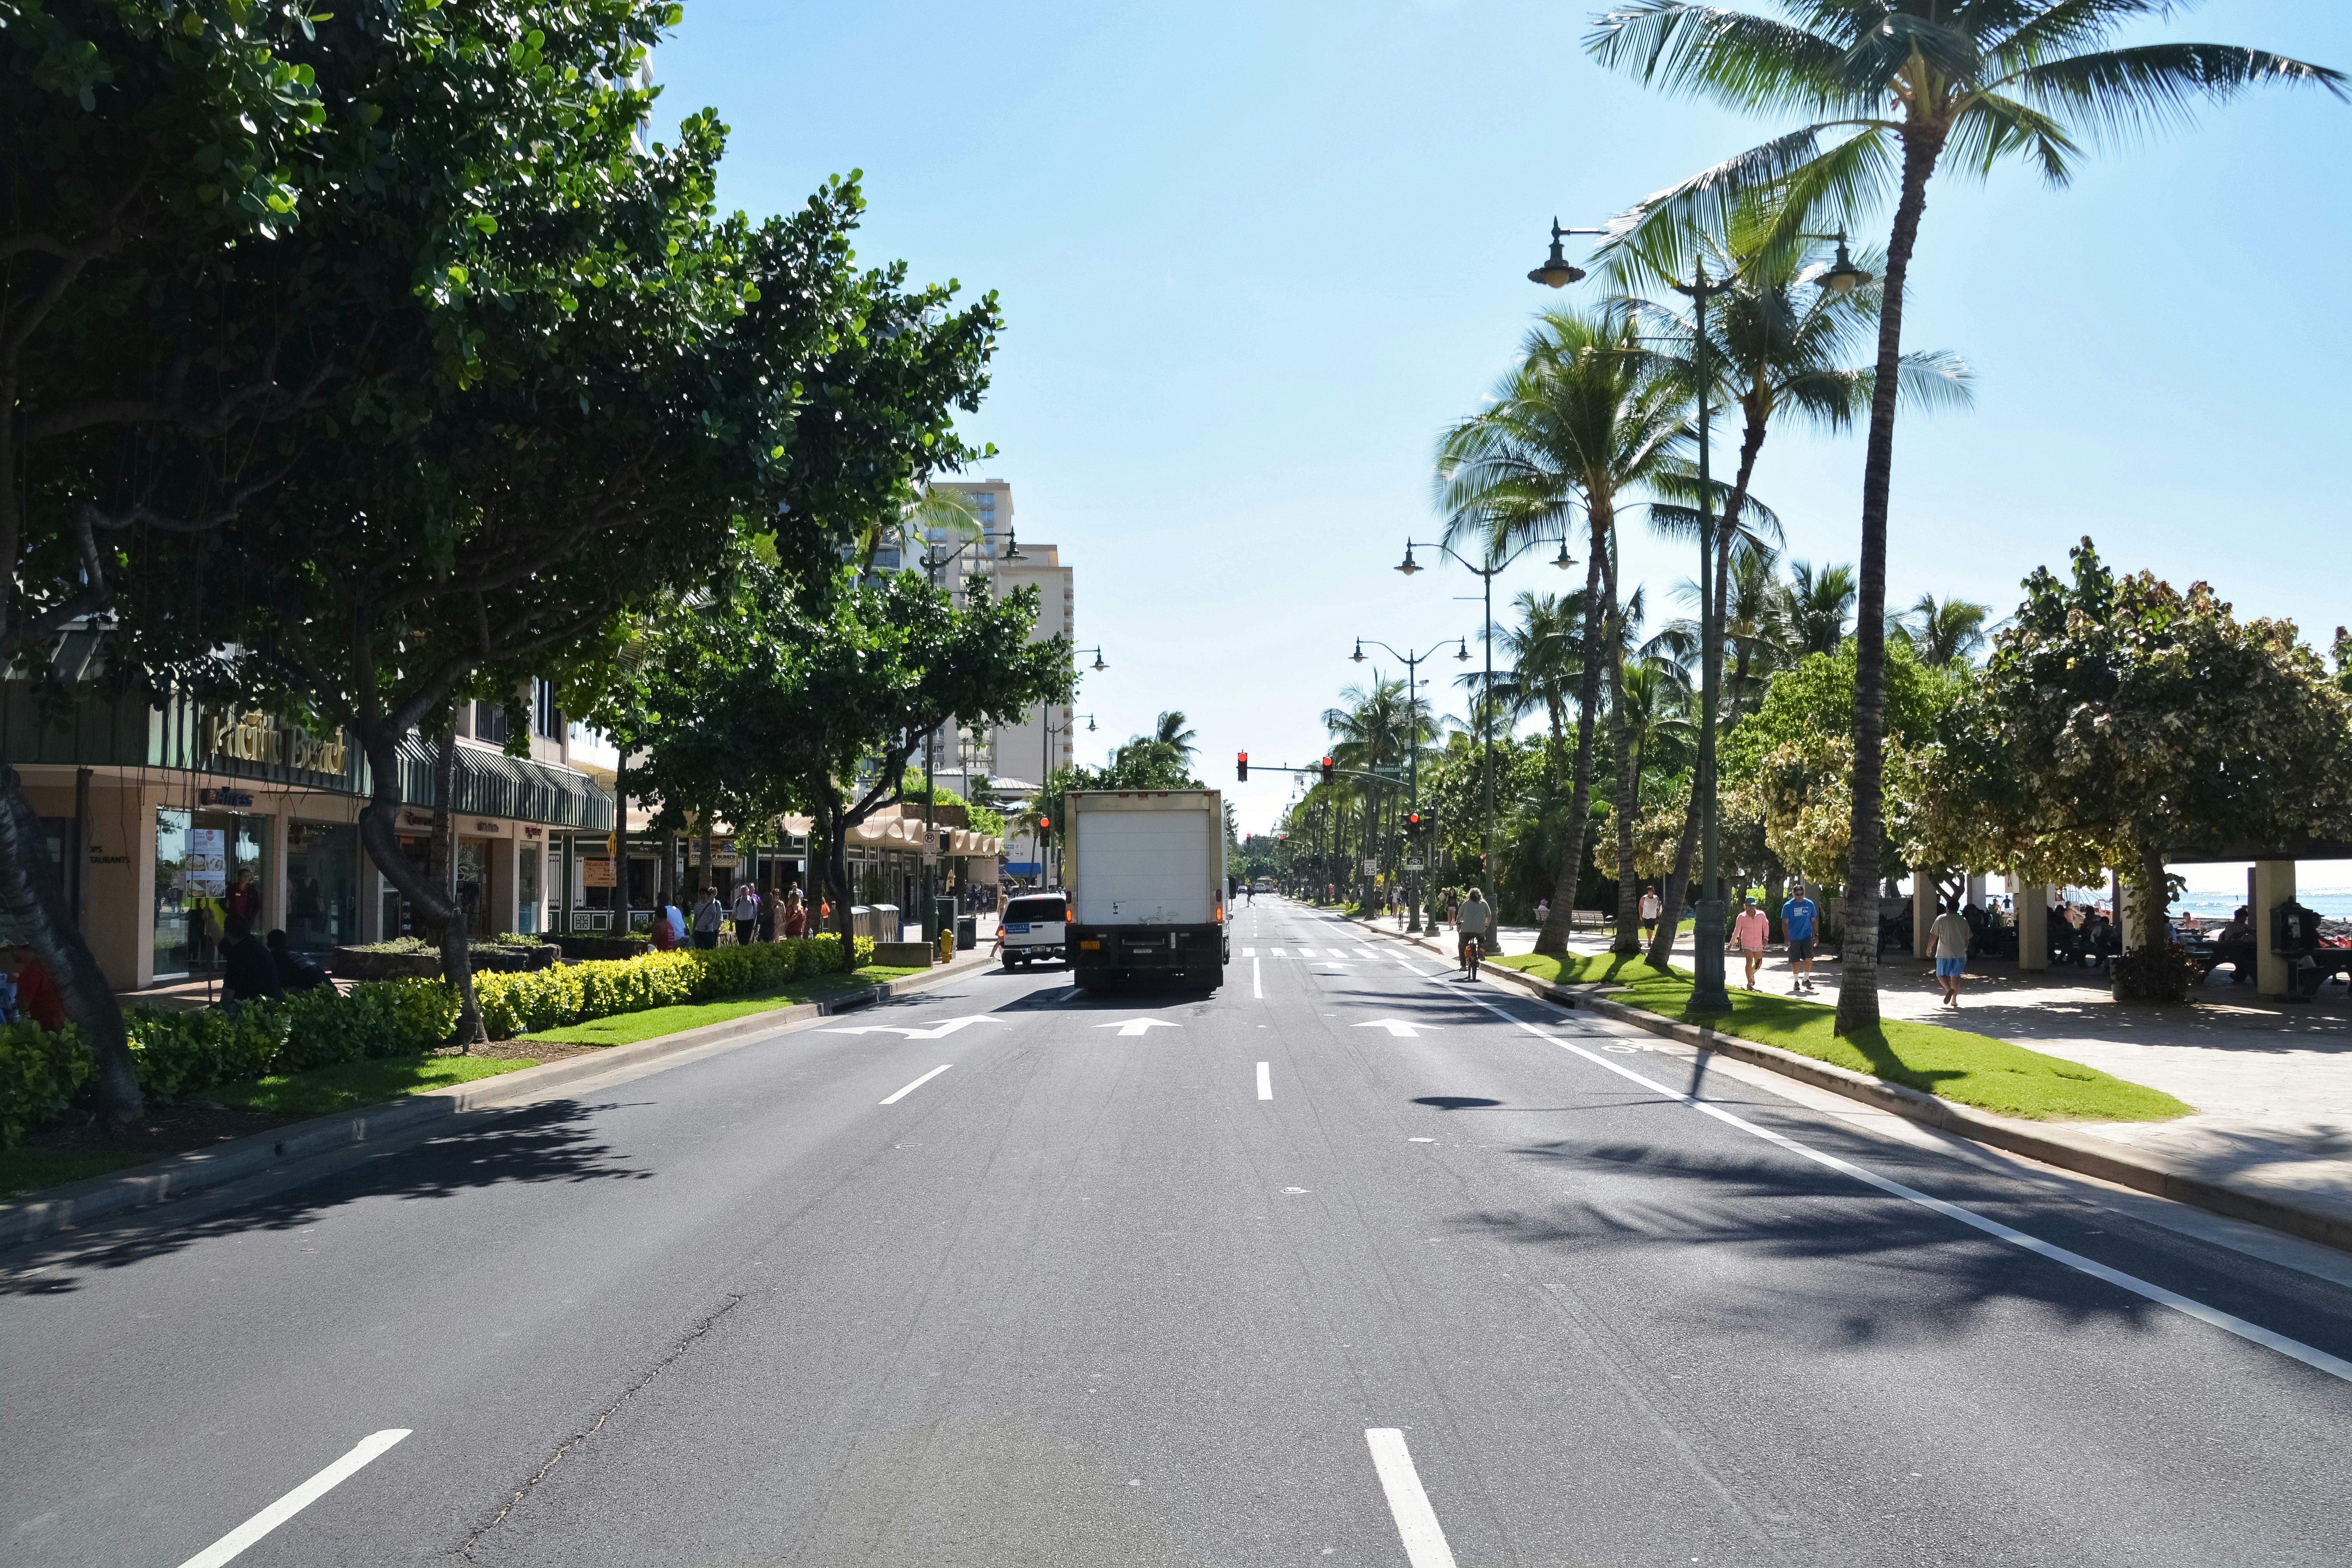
column 1857, row 1006
column 2155, row 903
column 1553, row 937
column 456, row 950
column 710, row 875
column 34, row 898
column 380, row 833
column 1629, row 781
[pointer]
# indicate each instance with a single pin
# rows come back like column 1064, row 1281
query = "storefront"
column 168, row 823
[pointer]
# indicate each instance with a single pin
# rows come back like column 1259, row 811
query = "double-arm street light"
column 1708, row 990
column 1413, row 662
column 1494, row 568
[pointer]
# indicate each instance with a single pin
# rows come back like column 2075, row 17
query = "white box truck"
column 1144, row 871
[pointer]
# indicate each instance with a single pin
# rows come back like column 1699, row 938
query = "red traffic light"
column 1241, row 768
column 1326, row 770
column 1045, row 823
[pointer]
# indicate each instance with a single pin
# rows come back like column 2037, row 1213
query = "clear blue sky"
column 1253, row 258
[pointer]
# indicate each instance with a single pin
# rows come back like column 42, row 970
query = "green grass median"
column 628, row 1028
column 1973, row 1069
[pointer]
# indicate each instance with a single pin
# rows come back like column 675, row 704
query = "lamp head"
column 1359, row 654
column 1843, row 276
column 1099, row 663
column 1563, row 560
column 1013, row 544
column 1090, row 722
column 1408, row 565
column 1462, row 649
column 1556, row 273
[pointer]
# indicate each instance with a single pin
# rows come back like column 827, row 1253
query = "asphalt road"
column 1347, row 1264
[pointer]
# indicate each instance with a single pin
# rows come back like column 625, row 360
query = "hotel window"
column 546, row 718
column 490, row 724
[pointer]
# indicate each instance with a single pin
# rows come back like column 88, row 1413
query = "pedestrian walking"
column 708, row 915
column 1798, row 918
column 1947, row 943
column 795, row 913
column 767, row 927
column 1653, row 910
column 746, row 915
column 1543, row 913
column 1749, row 931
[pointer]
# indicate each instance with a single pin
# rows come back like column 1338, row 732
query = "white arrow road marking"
column 1416, row 1521
column 917, row 1083
column 940, row 1032
column 1265, row 1080
column 1397, row 1026
column 1138, row 1026
column 228, row 1547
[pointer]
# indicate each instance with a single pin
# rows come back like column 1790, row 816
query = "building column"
column 2033, row 927
column 1922, row 908
column 2274, row 886
column 2128, row 920
column 274, row 902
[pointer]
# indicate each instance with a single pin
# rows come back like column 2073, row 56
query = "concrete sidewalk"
column 2272, row 1080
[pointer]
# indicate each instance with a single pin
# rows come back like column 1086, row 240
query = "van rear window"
column 1037, row 910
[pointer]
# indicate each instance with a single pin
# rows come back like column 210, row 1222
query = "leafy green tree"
column 1893, row 85
column 1585, row 420
column 2119, row 719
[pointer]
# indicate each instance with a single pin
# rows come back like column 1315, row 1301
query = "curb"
column 31, row 1218
column 2084, row 1153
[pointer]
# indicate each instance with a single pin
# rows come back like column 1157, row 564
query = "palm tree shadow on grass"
column 549, row 1141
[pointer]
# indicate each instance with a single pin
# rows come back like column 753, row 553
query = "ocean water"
column 2205, row 903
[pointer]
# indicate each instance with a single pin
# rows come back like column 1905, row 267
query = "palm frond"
column 2125, row 94
column 1732, row 57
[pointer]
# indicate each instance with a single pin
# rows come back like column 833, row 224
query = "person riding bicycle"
column 1478, row 925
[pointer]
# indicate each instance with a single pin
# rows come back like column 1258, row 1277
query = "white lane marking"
column 1258, row 982
column 1265, row 1080
column 1138, row 1025
column 1397, row 1027
column 1249, row 953
column 235, row 1542
column 1363, row 954
column 1416, row 1521
column 939, row 1032
column 918, row 1083
column 1275, row 950
column 2255, row 1333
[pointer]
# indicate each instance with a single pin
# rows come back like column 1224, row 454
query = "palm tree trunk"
column 1857, row 1006
column 1553, row 937
column 1629, row 782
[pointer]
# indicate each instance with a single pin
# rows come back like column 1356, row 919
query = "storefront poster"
column 595, row 873
column 206, row 866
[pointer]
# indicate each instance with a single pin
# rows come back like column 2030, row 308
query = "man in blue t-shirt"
column 1797, row 917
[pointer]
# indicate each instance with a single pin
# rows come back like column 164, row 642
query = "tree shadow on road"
column 547, row 1141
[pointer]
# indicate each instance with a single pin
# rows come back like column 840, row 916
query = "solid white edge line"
column 2255, row 1333
column 1258, row 982
column 917, row 1083
column 1416, row 1521
column 229, row 1546
column 1265, row 1080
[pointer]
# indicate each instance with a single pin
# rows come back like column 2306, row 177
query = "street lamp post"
column 1412, row 747
column 1708, row 992
column 1488, row 572
column 934, row 562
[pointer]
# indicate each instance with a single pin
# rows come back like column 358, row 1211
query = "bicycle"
column 1472, row 950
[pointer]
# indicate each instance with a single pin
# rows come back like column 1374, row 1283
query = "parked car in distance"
column 1036, row 925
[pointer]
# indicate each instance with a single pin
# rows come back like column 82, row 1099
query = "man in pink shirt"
column 1748, row 935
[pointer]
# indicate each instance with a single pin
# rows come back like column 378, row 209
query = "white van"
column 1036, row 925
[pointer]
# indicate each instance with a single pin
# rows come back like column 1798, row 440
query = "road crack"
column 684, row 1343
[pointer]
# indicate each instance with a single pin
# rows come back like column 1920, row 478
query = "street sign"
column 1023, row 867
column 1415, row 866
column 1371, row 867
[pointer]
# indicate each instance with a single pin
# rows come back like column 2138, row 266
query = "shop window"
column 527, row 890
column 208, row 871
column 322, row 885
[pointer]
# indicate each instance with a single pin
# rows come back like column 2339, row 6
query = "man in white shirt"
column 1947, row 941
column 1653, row 909
column 746, row 915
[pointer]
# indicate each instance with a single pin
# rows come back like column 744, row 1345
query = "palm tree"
column 1177, row 736
column 1816, row 608
column 1584, row 421
column 1902, row 82
column 1940, row 633
column 1547, row 653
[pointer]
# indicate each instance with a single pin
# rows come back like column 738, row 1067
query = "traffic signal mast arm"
column 1326, row 770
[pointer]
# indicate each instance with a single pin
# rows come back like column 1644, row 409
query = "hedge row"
column 178, row 1054
column 39, row 1072
column 526, row 1003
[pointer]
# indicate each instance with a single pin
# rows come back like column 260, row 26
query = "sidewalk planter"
column 904, row 954
column 574, row 993
column 583, row 949
column 39, row 1072
column 372, row 964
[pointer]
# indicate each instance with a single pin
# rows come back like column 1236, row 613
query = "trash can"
column 942, row 916
column 967, row 933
